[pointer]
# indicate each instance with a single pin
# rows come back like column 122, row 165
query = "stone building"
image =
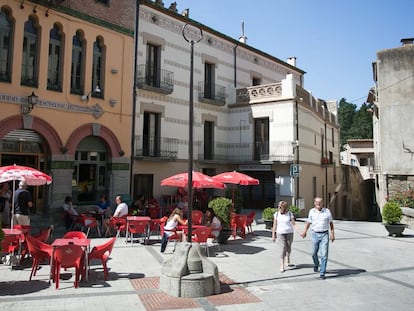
column 66, row 70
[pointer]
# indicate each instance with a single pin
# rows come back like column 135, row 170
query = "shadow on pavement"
column 22, row 287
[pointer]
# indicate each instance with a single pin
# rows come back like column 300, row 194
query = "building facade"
column 251, row 114
column 76, row 59
column 393, row 105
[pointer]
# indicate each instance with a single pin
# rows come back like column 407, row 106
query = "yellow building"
column 66, row 95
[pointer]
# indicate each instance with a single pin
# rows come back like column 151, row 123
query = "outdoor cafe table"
column 184, row 228
column 84, row 243
column 14, row 232
column 146, row 219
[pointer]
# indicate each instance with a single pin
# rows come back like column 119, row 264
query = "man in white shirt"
column 320, row 220
column 121, row 207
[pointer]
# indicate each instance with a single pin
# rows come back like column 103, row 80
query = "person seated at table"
column 139, row 206
column 104, row 207
column 121, row 207
column 212, row 221
column 176, row 218
column 71, row 214
column 183, row 205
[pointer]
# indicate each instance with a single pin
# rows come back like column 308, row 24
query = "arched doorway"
column 27, row 148
column 90, row 173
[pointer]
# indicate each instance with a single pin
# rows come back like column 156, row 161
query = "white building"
column 393, row 107
column 251, row 114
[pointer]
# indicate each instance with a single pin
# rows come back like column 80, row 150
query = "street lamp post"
column 189, row 37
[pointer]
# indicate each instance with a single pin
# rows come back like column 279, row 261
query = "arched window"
column 30, row 53
column 76, row 78
column 5, row 46
column 54, row 73
column 98, row 68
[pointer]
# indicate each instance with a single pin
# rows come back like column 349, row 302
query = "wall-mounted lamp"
column 97, row 90
column 32, row 100
column 22, row 4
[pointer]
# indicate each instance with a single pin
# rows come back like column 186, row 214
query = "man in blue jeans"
column 320, row 220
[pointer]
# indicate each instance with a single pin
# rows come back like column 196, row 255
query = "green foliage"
column 222, row 209
column 294, row 209
column 238, row 198
column 391, row 213
column 403, row 199
column 268, row 213
column 355, row 123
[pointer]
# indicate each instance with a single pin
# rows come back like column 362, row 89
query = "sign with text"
column 294, row 170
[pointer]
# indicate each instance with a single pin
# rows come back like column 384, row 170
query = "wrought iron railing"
column 150, row 77
column 211, row 93
column 156, row 147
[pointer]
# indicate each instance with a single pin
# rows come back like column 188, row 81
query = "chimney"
column 242, row 38
column 292, row 61
column 407, row 41
column 186, row 13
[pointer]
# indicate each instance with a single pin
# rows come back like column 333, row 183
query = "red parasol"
column 236, row 178
column 200, row 180
column 31, row 176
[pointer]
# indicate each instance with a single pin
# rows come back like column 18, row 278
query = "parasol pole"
column 12, row 205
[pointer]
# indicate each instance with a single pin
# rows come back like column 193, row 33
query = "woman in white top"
column 283, row 223
column 176, row 217
column 211, row 220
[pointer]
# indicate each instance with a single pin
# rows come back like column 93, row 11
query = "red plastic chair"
column 137, row 227
column 10, row 244
column 23, row 245
column 75, row 235
column 201, row 235
column 39, row 251
column 119, row 224
column 68, row 256
column 239, row 226
column 250, row 218
column 196, row 217
column 43, row 235
column 90, row 222
column 102, row 252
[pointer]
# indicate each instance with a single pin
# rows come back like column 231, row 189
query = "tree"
column 354, row 123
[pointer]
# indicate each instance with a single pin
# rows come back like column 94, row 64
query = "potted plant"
column 267, row 216
column 222, row 208
column 294, row 210
column 391, row 216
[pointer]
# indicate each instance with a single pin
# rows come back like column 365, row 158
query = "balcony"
column 277, row 151
column 211, row 94
column 156, row 80
column 162, row 148
column 259, row 93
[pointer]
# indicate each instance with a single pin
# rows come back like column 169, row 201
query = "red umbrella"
column 236, row 178
column 31, row 176
column 200, row 180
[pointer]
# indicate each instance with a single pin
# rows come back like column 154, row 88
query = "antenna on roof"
column 242, row 38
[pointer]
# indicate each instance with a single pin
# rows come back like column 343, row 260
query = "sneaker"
column 322, row 277
column 315, row 268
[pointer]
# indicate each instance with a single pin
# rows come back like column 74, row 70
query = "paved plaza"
column 367, row 270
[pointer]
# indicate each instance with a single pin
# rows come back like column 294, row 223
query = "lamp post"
column 189, row 37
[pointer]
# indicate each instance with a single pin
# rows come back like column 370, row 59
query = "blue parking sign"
column 294, row 170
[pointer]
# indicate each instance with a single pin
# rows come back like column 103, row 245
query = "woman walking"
column 283, row 224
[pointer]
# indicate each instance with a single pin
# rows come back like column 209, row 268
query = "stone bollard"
column 188, row 273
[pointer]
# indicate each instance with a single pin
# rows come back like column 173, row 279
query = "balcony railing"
column 156, row 147
column 211, row 93
column 158, row 80
column 276, row 151
column 259, row 93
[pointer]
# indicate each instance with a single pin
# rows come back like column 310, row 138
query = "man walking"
column 320, row 220
column 22, row 204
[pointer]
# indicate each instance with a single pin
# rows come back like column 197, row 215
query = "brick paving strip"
column 154, row 299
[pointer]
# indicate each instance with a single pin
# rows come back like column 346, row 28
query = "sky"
column 334, row 41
